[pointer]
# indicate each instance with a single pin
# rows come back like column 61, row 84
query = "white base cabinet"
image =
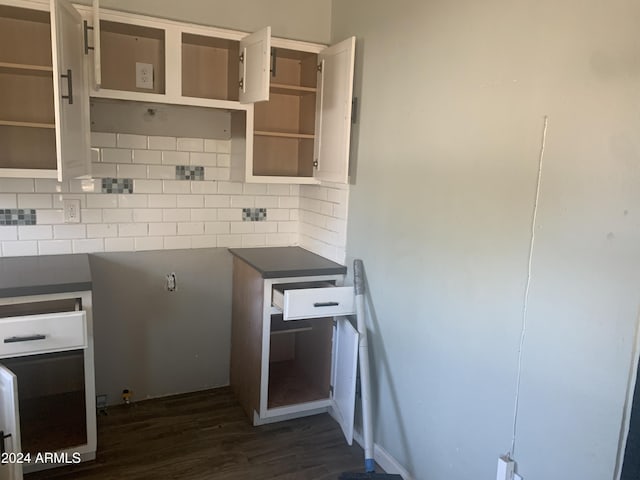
column 283, row 369
column 47, row 383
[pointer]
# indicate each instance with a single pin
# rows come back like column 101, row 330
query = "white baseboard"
column 384, row 458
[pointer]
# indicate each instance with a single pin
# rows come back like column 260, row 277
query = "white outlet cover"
column 144, row 75
column 71, row 209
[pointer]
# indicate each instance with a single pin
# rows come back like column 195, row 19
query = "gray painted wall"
column 452, row 101
column 156, row 342
column 307, row 20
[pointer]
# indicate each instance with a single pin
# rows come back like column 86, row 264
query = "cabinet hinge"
column 330, row 389
column 242, row 57
column 354, row 110
column 320, row 67
column 315, row 163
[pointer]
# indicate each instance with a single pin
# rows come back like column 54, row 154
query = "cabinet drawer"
column 32, row 334
column 299, row 303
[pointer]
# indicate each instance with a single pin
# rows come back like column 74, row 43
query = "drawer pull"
column 28, row 338
column 326, row 304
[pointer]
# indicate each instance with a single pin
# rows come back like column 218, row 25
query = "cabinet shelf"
column 26, row 69
column 266, row 133
column 292, row 89
column 12, row 123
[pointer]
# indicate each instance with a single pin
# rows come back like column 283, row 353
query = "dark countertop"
column 45, row 274
column 278, row 262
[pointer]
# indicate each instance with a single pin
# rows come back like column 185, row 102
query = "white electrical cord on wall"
column 525, row 303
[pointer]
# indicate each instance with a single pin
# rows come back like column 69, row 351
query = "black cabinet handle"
column 69, row 78
column 326, row 304
column 27, row 338
column 2, row 437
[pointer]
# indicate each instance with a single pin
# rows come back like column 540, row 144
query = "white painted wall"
column 307, row 20
column 452, row 101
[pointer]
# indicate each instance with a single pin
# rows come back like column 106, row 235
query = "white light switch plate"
column 71, row 208
column 144, row 75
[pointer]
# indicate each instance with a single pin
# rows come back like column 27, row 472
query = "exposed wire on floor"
column 525, row 303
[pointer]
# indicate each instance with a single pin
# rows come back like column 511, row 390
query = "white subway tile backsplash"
column 54, row 247
column 126, row 140
column 243, row 227
column 176, row 215
column 242, row 201
column 224, row 160
column 117, row 215
column 149, row 243
column 104, row 170
column 99, row 139
column 217, row 201
column 229, row 240
column 162, row 172
column 132, row 171
column 190, row 201
column 127, row 200
column 88, row 246
column 191, row 228
column 203, row 241
column 176, row 186
column 91, row 215
column 119, row 244
column 21, row 248
column 190, row 144
column 230, row 188
column 102, row 230
column 162, row 143
column 264, row 227
column 162, row 229
column 203, row 159
column 176, row 243
column 17, row 185
column 279, row 189
column 215, row 228
column 147, row 157
column 63, row 232
column 52, row 217
column 133, row 229
column 34, row 232
column 204, row 187
column 116, row 155
column 162, row 201
column 147, row 186
column 48, row 185
column 217, row 173
column 147, row 215
column 163, row 212
column 175, row 158
column 230, row 214
column 8, row 200
column 204, row 214
column 254, row 240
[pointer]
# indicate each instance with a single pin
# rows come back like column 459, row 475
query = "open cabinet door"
column 333, row 111
column 255, row 56
column 344, row 369
column 97, row 65
column 9, row 423
column 71, row 98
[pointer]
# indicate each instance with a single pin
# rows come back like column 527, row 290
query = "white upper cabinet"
column 71, row 98
column 42, row 134
column 255, row 59
column 9, row 423
column 333, row 111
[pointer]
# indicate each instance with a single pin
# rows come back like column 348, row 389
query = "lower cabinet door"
column 344, row 369
column 10, row 467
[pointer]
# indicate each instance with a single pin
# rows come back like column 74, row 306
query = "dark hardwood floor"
column 206, row 435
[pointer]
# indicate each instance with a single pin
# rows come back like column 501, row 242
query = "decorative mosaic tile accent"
column 17, row 216
column 117, row 185
column 186, row 172
column 254, row 214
